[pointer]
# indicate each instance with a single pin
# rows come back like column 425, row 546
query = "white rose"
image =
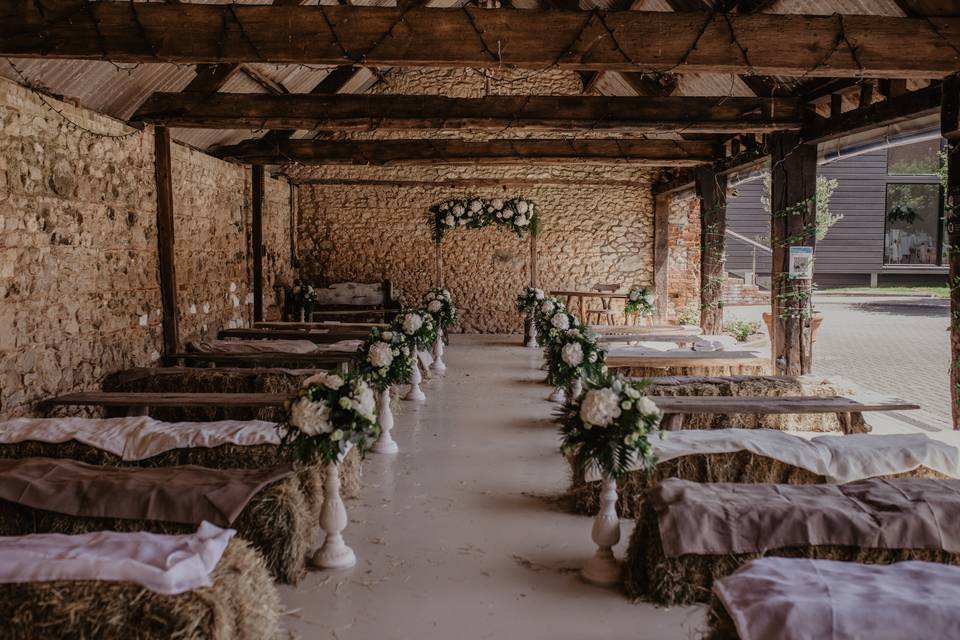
column 317, row 378
column 363, row 402
column 593, row 357
column 600, row 407
column 626, row 405
column 522, row 207
column 561, row 321
column 521, row 221
column 475, row 206
column 449, row 221
column 508, row 213
column 412, row 323
column 312, row 418
column 538, row 294
column 458, row 210
column 572, row 354
column 497, row 204
column 434, row 306
column 648, row 406
column 380, row 354
column 387, row 335
column 547, row 307
column 631, row 393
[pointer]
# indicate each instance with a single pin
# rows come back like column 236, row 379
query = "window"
column 914, row 228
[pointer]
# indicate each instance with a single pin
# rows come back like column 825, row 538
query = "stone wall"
column 597, row 218
column 591, row 233
column 79, row 288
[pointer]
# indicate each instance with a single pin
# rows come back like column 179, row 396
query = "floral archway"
column 518, row 215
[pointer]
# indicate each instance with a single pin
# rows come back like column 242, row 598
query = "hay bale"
column 276, row 522
column 649, row 574
column 739, row 466
column 756, row 385
column 242, row 604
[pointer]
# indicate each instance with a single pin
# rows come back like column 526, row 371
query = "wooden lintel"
column 631, row 41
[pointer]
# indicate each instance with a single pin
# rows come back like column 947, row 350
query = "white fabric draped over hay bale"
column 799, row 598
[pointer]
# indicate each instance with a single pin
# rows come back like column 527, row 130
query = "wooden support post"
column 950, row 127
column 165, row 238
column 438, row 254
column 534, row 277
column 712, row 190
column 793, row 210
column 661, row 252
column 256, row 231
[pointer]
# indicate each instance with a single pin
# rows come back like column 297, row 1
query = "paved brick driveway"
column 895, row 346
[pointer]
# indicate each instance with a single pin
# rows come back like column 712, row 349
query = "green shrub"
column 741, row 329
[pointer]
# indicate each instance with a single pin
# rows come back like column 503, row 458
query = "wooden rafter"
column 560, row 113
column 856, row 45
column 908, row 106
column 420, row 151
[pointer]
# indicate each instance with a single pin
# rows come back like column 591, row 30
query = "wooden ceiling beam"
column 397, row 112
column 907, row 106
column 795, row 45
column 420, row 151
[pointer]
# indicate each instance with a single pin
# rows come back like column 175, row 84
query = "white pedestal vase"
column 559, row 395
column 531, row 331
column 438, row 365
column 385, row 443
column 334, row 552
column 415, row 394
column 576, row 389
column 603, row 569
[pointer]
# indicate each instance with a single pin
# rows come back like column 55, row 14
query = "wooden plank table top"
column 138, row 399
column 686, row 359
column 779, row 405
column 680, row 338
column 590, row 294
column 332, row 325
column 318, row 336
column 275, row 359
column 654, row 329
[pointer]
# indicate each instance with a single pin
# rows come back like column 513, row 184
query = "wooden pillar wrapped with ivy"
column 712, row 190
column 793, row 224
column 950, row 127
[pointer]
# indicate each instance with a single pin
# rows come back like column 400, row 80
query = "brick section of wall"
column 737, row 292
column 683, row 278
column 79, row 288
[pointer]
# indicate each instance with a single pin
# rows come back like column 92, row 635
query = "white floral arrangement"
column 574, row 354
column 609, row 428
column 439, row 304
column 552, row 319
column 518, row 214
column 529, row 299
column 331, row 413
column 417, row 327
column 384, row 359
column 640, row 300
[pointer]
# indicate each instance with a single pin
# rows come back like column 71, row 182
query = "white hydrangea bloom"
column 560, row 321
column 538, row 294
column 547, row 307
column 475, row 206
column 600, row 407
column 648, row 406
column 380, row 354
column 497, row 204
column 572, row 354
column 434, row 306
column 312, row 418
column 412, row 323
column 521, row 221
column 329, row 380
column 363, row 402
column 522, row 207
column 449, row 221
column 458, row 210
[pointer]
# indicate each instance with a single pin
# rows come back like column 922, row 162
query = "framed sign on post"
column 801, row 263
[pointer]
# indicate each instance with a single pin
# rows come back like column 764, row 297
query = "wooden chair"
column 605, row 312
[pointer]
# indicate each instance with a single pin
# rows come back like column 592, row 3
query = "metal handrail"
column 754, row 243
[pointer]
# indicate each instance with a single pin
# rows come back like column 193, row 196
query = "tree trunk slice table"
column 849, row 410
column 317, row 336
column 140, row 403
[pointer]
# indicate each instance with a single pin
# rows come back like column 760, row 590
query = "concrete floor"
column 456, row 536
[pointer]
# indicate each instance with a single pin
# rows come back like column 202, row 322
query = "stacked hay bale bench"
column 324, row 335
column 800, row 598
column 677, row 362
column 772, row 387
column 265, row 506
column 206, row 585
column 355, row 301
column 767, row 456
column 688, row 534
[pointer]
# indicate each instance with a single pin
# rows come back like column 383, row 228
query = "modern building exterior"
column 892, row 230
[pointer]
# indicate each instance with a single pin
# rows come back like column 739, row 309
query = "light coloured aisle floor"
column 453, row 536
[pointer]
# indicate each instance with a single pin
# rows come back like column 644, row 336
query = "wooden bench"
column 140, row 403
column 317, row 336
column 275, row 360
column 686, row 359
column 330, row 325
column 849, row 410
